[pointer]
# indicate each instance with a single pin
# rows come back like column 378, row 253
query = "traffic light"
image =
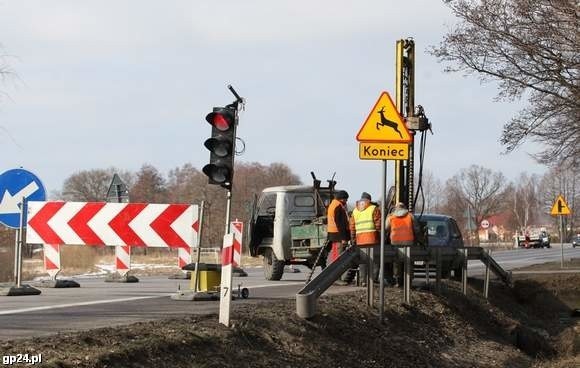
column 221, row 145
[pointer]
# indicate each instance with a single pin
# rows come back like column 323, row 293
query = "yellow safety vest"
column 364, row 224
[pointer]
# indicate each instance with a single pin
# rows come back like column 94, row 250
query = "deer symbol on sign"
column 386, row 122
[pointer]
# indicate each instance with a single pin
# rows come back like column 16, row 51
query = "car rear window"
column 438, row 232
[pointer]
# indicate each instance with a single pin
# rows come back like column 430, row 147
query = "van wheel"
column 273, row 268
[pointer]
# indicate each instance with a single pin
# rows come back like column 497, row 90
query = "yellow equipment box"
column 210, row 276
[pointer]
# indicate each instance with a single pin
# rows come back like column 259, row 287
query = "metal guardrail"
column 307, row 297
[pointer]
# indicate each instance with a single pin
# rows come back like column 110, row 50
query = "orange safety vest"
column 364, row 225
column 331, row 225
column 402, row 229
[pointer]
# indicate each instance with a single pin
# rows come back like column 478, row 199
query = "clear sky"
column 123, row 83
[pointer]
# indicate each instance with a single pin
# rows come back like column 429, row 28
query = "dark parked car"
column 576, row 241
column 442, row 231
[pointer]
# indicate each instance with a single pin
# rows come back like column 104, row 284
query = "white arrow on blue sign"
column 16, row 184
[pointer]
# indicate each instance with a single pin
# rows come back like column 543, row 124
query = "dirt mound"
column 447, row 330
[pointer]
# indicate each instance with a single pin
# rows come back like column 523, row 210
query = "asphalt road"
column 521, row 257
column 99, row 304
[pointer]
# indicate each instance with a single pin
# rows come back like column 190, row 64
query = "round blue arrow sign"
column 15, row 185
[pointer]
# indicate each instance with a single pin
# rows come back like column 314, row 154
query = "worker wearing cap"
column 402, row 230
column 337, row 228
column 365, row 226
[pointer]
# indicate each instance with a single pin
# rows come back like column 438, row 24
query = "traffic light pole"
column 228, row 210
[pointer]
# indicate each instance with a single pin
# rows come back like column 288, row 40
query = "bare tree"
column 186, row 184
column 5, row 69
column 565, row 181
column 91, row 185
column 532, row 48
column 149, row 186
column 479, row 188
column 524, row 200
column 431, row 199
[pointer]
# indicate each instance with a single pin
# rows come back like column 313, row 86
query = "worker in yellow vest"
column 365, row 226
column 402, row 230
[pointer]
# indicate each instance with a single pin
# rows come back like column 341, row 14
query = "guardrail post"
column 370, row 273
column 427, row 272
column 407, row 283
column 438, row 270
column 487, row 271
column 464, row 272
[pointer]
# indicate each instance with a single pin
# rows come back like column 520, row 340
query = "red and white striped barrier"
column 237, row 228
column 101, row 223
column 51, row 259
column 123, row 259
column 184, row 257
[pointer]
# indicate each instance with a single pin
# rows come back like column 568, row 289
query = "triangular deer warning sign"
column 384, row 124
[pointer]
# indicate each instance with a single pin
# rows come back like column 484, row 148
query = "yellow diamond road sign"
column 384, row 124
column 560, row 207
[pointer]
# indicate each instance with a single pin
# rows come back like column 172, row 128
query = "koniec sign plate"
column 383, row 151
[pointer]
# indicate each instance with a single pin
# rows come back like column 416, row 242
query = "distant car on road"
column 576, row 241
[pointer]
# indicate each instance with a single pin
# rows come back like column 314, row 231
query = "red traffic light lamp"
column 221, row 146
column 222, row 118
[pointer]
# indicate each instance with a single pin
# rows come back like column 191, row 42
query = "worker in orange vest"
column 337, row 227
column 402, row 230
column 365, row 226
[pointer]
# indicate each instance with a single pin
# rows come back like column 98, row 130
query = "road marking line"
column 34, row 309
column 47, row 307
